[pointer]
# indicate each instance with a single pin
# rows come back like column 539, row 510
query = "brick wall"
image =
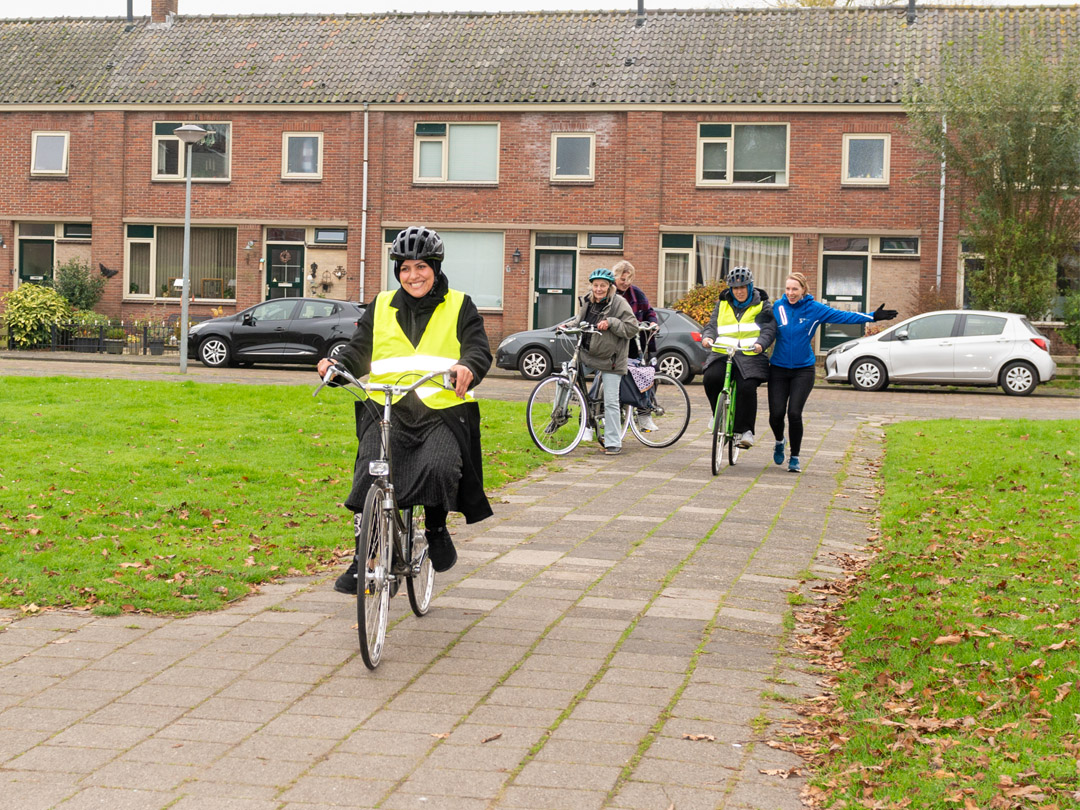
column 645, row 169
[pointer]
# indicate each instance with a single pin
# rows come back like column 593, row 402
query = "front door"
column 844, row 287
column 35, row 260
column 284, row 271
column 554, row 296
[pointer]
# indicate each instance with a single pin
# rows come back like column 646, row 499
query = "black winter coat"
column 463, row 420
column 751, row 367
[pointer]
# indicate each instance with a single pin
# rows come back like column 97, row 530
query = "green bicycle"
column 723, row 422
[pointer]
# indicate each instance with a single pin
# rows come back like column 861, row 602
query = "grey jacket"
column 608, row 349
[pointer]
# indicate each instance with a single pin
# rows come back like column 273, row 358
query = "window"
column 931, row 327
column 845, row 244
column 210, row 157
column 301, row 155
column 77, row 230
column 280, row 309
column 556, row 240
column 742, row 153
column 155, row 257
column 49, row 153
column 907, row 246
column 474, row 262
column 604, row 241
column 983, row 325
column 331, row 236
column 689, row 261
column 866, row 159
column 456, row 153
column 316, row 309
column 572, row 155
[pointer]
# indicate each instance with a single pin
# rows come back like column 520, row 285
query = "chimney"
column 911, row 12
column 161, row 9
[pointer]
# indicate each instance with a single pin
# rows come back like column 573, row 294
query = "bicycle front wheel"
column 721, row 434
column 664, row 421
column 421, row 580
column 373, row 588
column 556, row 415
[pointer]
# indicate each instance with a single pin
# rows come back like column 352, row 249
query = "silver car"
column 951, row 347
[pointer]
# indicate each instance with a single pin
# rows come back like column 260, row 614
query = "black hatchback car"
column 538, row 352
column 284, row 330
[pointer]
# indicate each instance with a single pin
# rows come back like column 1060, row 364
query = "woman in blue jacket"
column 791, row 367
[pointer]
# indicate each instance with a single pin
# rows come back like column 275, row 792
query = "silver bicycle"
column 390, row 543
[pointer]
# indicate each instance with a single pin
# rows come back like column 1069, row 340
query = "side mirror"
column 902, row 334
column 248, row 320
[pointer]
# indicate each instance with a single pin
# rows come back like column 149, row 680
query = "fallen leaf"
column 699, row 737
column 442, row 735
column 492, row 738
column 947, row 640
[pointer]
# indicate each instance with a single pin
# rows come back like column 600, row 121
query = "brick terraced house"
column 541, row 145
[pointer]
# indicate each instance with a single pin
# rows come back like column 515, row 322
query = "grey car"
column 538, row 352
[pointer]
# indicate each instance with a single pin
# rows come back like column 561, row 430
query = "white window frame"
column 151, row 294
column 388, row 264
column 730, row 141
column 563, row 178
column 285, row 173
column 155, row 283
column 847, row 180
column 181, row 162
column 444, row 140
column 34, row 149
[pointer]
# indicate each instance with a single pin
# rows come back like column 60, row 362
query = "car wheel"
column 535, row 364
column 868, row 374
column 673, row 364
column 1018, row 379
column 214, row 352
column 336, row 349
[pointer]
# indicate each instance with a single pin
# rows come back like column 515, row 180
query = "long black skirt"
column 425, row 458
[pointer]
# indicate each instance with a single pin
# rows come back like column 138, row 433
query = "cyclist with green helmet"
column 606, row 352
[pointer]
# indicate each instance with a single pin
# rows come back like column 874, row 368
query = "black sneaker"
column 441, row 549
column 346, row 583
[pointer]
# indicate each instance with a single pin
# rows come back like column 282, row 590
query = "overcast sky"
column 118, row 8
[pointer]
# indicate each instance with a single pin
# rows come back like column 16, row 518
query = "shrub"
column 1071, row 332
column 30, row 310
column 74, row 282
column 87, row 323
column 700, row 302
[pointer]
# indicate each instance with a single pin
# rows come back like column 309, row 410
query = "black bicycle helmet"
column 417, row 242
column 740, row 277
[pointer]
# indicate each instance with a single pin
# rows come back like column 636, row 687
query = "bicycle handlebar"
column 391, row 389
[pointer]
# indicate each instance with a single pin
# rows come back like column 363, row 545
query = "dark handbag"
column 630, row 386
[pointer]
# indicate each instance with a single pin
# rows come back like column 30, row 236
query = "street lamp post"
column 189, row 135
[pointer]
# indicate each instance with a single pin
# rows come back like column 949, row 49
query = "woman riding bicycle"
column 744, row 318
column 435, row 443
column 791, row 370
column 606, row 353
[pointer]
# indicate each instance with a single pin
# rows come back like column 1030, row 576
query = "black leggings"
column 789, row 388
column 745, row 394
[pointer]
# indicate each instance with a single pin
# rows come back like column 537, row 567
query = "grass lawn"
column 167, row 496
column 962, row 687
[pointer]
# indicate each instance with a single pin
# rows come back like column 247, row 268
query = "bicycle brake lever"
column 330, row 373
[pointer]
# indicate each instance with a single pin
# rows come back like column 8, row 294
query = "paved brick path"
column 606, row 611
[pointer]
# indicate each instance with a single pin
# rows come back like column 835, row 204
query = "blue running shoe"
column 778, row 451
column 793, row 464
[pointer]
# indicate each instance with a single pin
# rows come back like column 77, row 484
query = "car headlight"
column 506, row 342
column 195, row 327
column 843, row 347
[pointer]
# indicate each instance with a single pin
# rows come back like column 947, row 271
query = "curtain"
column 473, row 152
column 710, row 258
column 766, row 256
column 213, row 260
column 474, row 265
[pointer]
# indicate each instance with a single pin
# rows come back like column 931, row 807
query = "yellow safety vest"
column 742, row 334
column 394, row 360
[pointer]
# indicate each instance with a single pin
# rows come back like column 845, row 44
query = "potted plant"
column 115, row 340
column 87, row 328
column 153, row 331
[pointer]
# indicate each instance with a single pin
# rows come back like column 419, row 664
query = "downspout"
column 941, row 212
column 363, row 213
